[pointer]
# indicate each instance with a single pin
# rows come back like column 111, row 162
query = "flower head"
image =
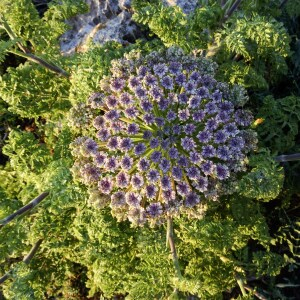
column 168, row 137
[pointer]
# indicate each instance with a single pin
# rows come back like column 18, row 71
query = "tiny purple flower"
column 183, row 114
column 133, row 199
column 156, row 156
column 122, row 179
column 147, row 134
column 154, row 143
column 139, row 149
column 207, row 168
column 151, row 191
column 117, row 84
column 149, row 119
column 194, row 102
column 111, row 163
column 165, row 183
column 165, row 165
column 118, row 199
column 183, row 161
column 105, row 185
column 146, row 105
column 180, row 79
column 125, row 144
column 126, row 162
column 188, row 144
column 131, row 112
column 204, row 136
column 167, row 82
column 182, row 188
column 191, row 200
column 99, row 122
column 112, row 115
column 143, row 164
column 126, row 99
column 133, row 128
column 177, row 173
column 160, row 70
column 198, row 115
column 189, row 129
column 111, row 101
column 137, row 181
column 171, row 116
column 154, row 209
column 99, row 159
column 113, row 143
column 222, row 171
column 208, row 151
column 220, row 137
column 193, row 172
column 202, row 92
column 153, row 176
column 173, row 153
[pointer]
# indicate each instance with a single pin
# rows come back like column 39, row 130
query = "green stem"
column 41, row 62
column 23, row 209
column 27, row 259
column 170, row 239
column 241, row 285
column 26, row 53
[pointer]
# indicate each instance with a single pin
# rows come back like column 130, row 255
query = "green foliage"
column 293, row 8
column 258, row 46
column 174, row 27
column 85, row 251
column 39, row 93
column 280, row 125
column 265, row 180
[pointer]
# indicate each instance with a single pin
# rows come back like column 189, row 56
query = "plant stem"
column 231, row 10
column 27, row 259
column 170, row 239
column 288, row 157
column 41, row 62
column 23, row 209
column 241, row 285
column 258, row 295
column 26, row 53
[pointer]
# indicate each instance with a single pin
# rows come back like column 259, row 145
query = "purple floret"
column 146, row 105
column 133, row 199
column 191, row 200
column 173, row 153
column 99, row 122
column 113, row 143
column 165, row 165
column 140, row 148
column 105, row 185
column 183, row 114
column 154, row 143
column 111, row 101
column 131, row 112
column 194, row 102
column 167, row 82
column 222, row 171
column 182, row 188
column 188, row 144
column 153, row 176
column 189, row 129
column 156, row 156
column 133, row 128
column 137, row 181
column 208, row 151
column 177, row 173
column 154, row 210
column 143, row 164
column 125, row 144
column 149, row 119
column 165, row 183
column 122, row 180
column 151, row 190
column 126, row 162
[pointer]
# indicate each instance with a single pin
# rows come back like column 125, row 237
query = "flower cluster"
column 167, row 136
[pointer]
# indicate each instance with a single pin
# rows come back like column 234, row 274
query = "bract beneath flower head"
column 167, row 137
